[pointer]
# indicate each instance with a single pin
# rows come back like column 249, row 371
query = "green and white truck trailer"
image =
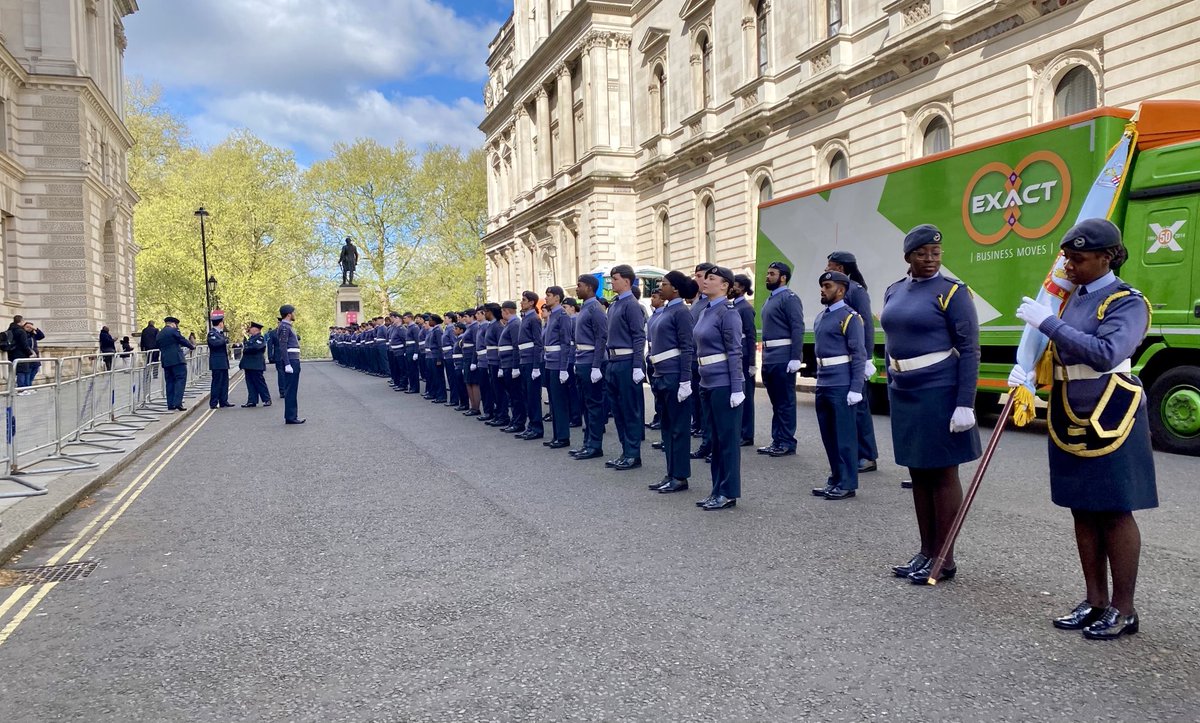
column 1003, row 206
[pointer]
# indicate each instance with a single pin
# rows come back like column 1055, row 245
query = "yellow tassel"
column 1044, row 371
column 1023, row 411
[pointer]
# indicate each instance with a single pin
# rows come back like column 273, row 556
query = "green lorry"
column 1002, row 206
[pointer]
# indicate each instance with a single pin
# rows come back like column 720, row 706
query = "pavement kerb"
column 24, row 523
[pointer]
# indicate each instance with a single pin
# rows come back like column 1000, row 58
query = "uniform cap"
column 1091, row 234
column 571, row 302
column 723, row 272
column 842, row 257
column 922, row 235
column 170, row 320
column 836, row 277
column 255, row 325
column 781, row 268
column 285, row 310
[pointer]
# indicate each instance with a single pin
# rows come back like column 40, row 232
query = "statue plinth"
column 347, row 306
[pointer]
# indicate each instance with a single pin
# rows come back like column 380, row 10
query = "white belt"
column 492, row 348
column 619, row 352
column 395, row 346
column 526, row 345
column 293, row 349
column 552, row 347
column 585, row 347
column 410, row 343
column 920, row 362
column 448, row 348
column 668, row 354
column 456, row 356
column 712, row 359
column 467, row 345
column 1075, row 372
column 503, row 348
column 776, row 342
column 833, row 361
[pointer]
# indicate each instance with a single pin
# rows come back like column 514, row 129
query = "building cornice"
column 91, row 94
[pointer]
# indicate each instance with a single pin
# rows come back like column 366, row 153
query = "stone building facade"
column 66, row 208
column 647, row 131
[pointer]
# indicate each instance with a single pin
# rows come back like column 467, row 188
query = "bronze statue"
column 348, row 260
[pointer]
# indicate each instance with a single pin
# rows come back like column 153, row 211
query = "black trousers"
column 676, row 423
column 256, row 387
column 560, row 417
column 291, row 405
column 218, row 388
column 533, row 398
column 594, row 414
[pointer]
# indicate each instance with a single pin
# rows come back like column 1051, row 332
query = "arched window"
column 710, row 230
column 706, row 69
column 839, row 167
column 1075, row 92
column 664, row 239
column 833, row 13
column 765, row 190
column 660, row 81
column 936, row 137
column 760, row 27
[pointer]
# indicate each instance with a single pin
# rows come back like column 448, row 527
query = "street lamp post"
column 209, row 282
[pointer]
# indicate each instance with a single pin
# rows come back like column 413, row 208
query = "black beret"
column 571, row 302
column 922, row 235
column 1091, row 234
column 690, row 288
column 835, row 276
column 677, row 279
column 721, row 271
column 781, row 268
column 745, row 282
column 842, row 257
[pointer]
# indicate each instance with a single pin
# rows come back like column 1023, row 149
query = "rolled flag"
column 1100, row 201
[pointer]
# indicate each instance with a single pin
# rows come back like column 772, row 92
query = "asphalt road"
column 394, row 561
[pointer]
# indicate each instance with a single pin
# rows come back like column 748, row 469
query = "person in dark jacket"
column 254, row 363
column 18, row 349
column 148, row 344
column 108, row 347
column 218, row 364
column 170, row 344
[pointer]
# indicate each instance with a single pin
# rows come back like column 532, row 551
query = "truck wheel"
column 1174, row 407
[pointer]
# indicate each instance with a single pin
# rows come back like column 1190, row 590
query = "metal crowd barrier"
column 61, row 412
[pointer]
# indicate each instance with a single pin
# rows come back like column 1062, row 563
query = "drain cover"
column 47, row 573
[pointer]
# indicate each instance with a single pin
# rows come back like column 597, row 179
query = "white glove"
column 562, row 377
column 287, row 369
column 962, row 419
column 853, row 398
column 736, row 399
column 793, row 366
column 1033, row 313
column 414, row 357
column 535, row 374
column 753, row 371
column 685, row 391
column 1017, row 376
column 639, row 376
column 516, row 373
column 595, row 376
column 868, row 369
column 474, row 367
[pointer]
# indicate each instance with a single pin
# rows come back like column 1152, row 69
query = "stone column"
column 599, row 90
column 566, row 118
column 623, row 117
column 543, row 132
column 697, row 82
column 585, row 70
column 521, row 143
column 750, row 43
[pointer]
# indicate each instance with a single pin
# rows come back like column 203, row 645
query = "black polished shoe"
column 867, row 465
column 916, row 563
column 1082, row 616
column 485, row 418
column 822, row 491
column 576, row 451
column 719, row 502
column 708, row 459
column 223, row 406
column 697, row 433
column 627, row 463
column 498, row 422
column 782, row 452
column 249, row 406
column 768, row 449
column 1112, row 625
column 295, row 421
column 677, row 485
column 700, row 453
column 559, row 444
column 530, row 437
column 546, row 417
column 512, row 429
column 472, row 413
column 906, row 484
column 590, row 454
column 654, row 425
column 266, row 404
column 656, row 445
column 575, row 425
column 661, row 483
column 747, row 442
column 705, row 501
column 613, row 462
column 837, row 493
column 921, row 576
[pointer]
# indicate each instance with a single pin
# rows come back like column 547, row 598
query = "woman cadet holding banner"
column 1101, row 464
column 932, row 355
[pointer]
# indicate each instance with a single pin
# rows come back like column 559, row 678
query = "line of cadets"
column 592, row 357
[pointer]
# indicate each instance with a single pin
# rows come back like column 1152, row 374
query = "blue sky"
column 305, row 74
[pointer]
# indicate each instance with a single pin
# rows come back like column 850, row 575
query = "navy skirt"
column 1120, row 481
column 921, row 436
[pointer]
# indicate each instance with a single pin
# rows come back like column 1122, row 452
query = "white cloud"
column 308, row 72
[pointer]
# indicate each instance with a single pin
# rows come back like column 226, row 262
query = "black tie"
column 1083, row 291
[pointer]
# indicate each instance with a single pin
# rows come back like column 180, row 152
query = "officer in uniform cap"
column 288, row 349
column 218, row 363
column 783, row 344
column 838, row 345
column 858, row 299
column 170, row 343
column 742, row 288
column 718, row 335
column 673, row 351
column 932, row 353
column 254, row 364
column 1101, row 462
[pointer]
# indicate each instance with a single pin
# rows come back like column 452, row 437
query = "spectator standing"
column 108, row 347
column 32, row 335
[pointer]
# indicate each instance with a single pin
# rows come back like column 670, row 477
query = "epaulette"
column 847, row 319
column 729, row 305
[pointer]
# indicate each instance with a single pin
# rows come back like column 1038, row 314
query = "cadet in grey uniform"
column 1101, row 463
column 858, row 299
